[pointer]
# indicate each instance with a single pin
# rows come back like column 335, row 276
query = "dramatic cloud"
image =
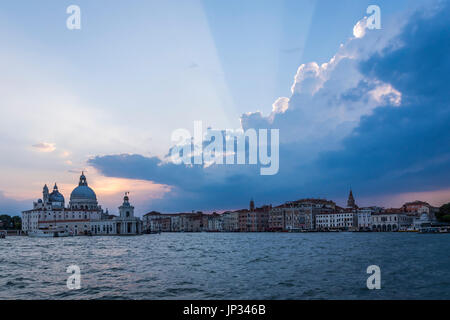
column 376, row 117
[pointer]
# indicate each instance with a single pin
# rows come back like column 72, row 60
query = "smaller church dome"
column 56, row 196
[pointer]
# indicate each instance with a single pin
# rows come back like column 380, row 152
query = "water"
column 228, row 266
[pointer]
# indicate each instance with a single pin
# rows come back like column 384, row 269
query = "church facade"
column 82, row 216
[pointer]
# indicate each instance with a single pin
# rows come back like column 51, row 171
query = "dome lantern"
column 83, row 181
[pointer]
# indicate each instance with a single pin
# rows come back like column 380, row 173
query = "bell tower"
column 45, row 194
column 126, row 210
column 351, row 201
column 252, row 205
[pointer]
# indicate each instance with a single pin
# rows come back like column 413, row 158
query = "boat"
column 434, row 230
column 2, row 235
column 49, row 233
column 410, row 229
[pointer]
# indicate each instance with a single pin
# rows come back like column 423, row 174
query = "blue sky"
column 136, row 71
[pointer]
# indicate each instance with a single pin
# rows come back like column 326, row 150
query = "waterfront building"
column 258, row 218
column 288, row 217
column 391, row 220
column 243, row 220
column 298, row 215
column 226, row 218
column 191, row 222
column 82, row 216
column 149, row 221
column 295, row 219
column 277, row 218
column 177, row 222
column 364, row 217
column 310, row 208
column 230, row 221
column 126, row 223
column 337, row 221
column 214, row 222
column 157, row 222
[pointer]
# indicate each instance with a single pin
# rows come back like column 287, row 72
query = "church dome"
column 55, row 196
column 83, row 191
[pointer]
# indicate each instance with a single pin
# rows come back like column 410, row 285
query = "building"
column 214, row 222
column 364, row 217
column 83, row 215
column 416, row 209
column 413, row 207
column 191, row 222
column 310, row 208
column 157, row 222
column 391, row 220
column 295, row 219
column 298, row 215
column 289, row 217
column 277, row 218
column 337, row 221
column 230, row 221
column 259, row 219
column 126, row 223
column 243, row 220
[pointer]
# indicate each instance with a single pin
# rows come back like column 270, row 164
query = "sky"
column 366, row 110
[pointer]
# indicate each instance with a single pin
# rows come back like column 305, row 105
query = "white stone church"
column 83, row 215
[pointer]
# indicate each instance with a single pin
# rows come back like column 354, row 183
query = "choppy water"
column 228, row 266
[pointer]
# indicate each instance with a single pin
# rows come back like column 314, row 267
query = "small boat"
column 434, row 230
column 49, row 233
column 2, row 235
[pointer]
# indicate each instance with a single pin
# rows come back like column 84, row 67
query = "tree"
column 11, row 223
column 17, row 222
column 443, row 214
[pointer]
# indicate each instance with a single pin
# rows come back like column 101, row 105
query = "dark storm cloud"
column 405, row 148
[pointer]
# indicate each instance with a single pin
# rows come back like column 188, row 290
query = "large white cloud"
column 328, row 100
